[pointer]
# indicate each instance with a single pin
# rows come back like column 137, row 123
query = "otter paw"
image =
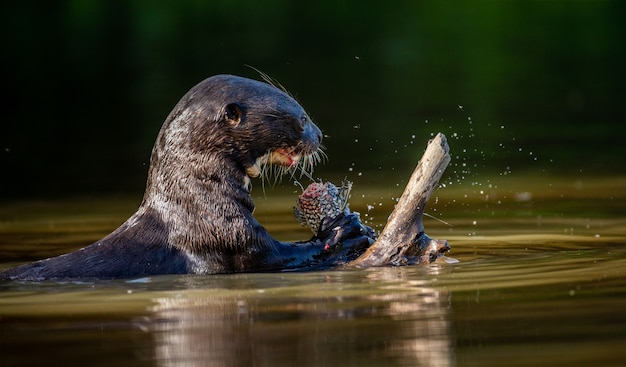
column 344, row 228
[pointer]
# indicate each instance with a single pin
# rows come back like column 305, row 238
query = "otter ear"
column 233, row 114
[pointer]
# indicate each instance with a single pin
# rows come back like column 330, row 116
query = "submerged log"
column 403, row 240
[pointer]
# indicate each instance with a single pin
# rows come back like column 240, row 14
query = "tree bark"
column 403, row 240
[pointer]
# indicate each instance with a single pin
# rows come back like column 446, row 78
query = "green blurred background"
column 517, row 86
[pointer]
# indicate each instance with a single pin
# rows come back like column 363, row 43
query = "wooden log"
column 403, row 240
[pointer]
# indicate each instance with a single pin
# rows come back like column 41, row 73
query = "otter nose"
column 313, row 132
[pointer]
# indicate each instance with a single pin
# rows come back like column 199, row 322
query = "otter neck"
column 199, row 187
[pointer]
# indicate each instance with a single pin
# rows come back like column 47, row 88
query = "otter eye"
column 233, row 113
column 303, row 119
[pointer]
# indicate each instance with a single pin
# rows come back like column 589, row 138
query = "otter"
column 196, row 216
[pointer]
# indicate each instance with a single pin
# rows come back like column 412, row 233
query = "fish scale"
column 320, row 200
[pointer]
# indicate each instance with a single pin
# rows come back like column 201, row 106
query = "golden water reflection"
column 338, row 318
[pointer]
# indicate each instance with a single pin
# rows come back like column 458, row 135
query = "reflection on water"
column 346, row 318
column 538, row 284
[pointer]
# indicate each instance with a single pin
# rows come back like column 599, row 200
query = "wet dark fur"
column 196, row 214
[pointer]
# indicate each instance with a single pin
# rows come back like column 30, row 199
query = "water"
column 540, row 282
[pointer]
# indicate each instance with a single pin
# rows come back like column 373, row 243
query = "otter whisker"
column 308, row 163
column 265, row 169
column 321, row 155
column 313, row 159
column 292, row 171
column 266, row 174
column 269, row 80
column 441, row 220
column 297, row 183
column 276, row 116
column 281, row 172
column 276, row 173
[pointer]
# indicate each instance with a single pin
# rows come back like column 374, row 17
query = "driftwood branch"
column 403, row 240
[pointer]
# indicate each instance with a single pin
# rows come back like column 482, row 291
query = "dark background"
column 517, row 86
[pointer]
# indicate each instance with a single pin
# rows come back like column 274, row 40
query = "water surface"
column 540, row 282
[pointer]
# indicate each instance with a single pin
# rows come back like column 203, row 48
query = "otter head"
column 244, row 122
column 267, row 126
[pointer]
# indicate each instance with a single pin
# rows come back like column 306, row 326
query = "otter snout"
column 311, row 137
